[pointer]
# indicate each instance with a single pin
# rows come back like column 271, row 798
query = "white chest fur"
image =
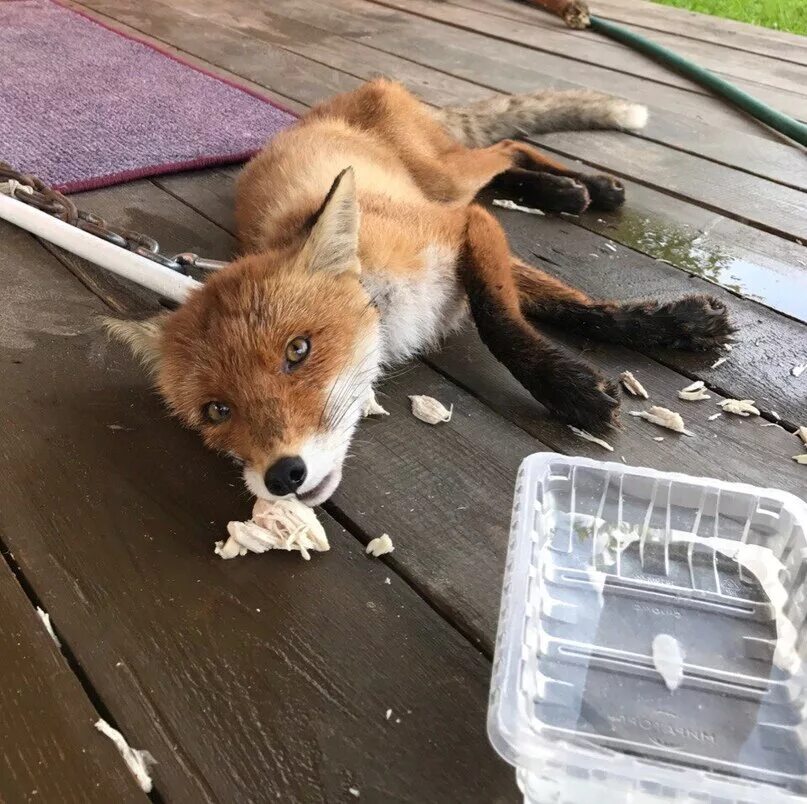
column 417, row 311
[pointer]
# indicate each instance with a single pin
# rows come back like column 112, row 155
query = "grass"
column 783, row 15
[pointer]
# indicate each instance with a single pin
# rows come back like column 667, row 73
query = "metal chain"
column 33, row 191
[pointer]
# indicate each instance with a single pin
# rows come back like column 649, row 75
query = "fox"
column 361, row 247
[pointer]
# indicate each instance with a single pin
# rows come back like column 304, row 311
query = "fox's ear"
column 333, row 244
column 142, row 337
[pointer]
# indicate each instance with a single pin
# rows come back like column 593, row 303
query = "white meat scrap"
column 380, row 546
column 801, row 458
column 45, row 617
column 137, row 761
column 506, row 203
column 284, row 524
column 663, row 418
column 588, row 437
column 802, row 433
column 739, row 407
column 430, row 410
column 370, row 407
column 694, row 393
column 668, row 658
column 797, row 371
column 632, row 385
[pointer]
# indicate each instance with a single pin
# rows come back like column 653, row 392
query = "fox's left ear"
column 142, row 337
column 333, row 244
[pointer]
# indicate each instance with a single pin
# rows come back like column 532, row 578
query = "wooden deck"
column 268, row 678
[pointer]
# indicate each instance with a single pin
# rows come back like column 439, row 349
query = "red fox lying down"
column 362, row 247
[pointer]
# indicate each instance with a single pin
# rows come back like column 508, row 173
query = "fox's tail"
column 508, row 116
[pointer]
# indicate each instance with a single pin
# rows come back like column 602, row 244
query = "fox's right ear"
column 333, row 244
column 142, row 337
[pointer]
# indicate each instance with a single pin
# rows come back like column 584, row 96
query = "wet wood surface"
column 269, row 678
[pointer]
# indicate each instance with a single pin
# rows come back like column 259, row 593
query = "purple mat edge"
column 164, row 169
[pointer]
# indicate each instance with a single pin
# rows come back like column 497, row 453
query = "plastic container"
column 652, row 638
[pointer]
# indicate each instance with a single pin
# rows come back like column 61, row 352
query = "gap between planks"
column 74, row 667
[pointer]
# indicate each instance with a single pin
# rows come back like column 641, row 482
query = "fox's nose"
column 286, row 475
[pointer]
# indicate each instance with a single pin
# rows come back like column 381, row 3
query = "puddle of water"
column 776, row 284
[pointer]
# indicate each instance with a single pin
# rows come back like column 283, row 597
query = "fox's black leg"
column 693, row 322
column 569, row 388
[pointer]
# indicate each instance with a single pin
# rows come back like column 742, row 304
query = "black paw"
column 545, row 191
column 697, row 323
column 588, row 401
column 561, row 194
column 606, row 192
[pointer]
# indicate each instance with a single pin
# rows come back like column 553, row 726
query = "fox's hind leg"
column 537, row 178
column 693, row 322
column 569, row 388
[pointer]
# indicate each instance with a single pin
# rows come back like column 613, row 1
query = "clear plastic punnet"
column 652, row 638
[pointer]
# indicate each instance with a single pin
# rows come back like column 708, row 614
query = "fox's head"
column 273, row 357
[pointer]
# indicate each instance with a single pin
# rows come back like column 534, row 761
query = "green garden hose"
column 575, row 14
column 771, row 117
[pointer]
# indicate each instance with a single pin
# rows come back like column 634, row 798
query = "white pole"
column 140, row 270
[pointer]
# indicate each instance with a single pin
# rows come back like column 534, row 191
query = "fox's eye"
column 297, row 350
column 216, row 412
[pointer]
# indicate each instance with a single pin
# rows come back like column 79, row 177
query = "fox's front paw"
column 587, row 400
column 698, row 323
column 606, row 192
column 561, row 194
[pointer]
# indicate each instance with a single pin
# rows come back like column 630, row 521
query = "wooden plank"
column 778, row 161
column 714, row 34
column 730, row 448
column 769, row 206
column 755, row 70
column 442, row 493
column 261, row 678
column 588, row 48
column 521, row 68
column 320, row 45
column 746, row 261
column 212, row 193
column 50, row 750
